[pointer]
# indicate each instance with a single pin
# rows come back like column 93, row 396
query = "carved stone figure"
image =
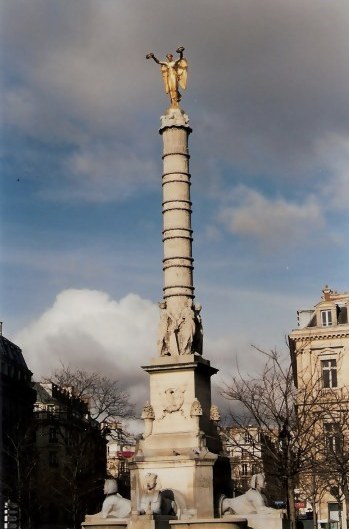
column 186, row 328
column 198, row 336
column 148, row 416
column 156, row 501
column 252, row 502
column 174, row 74
column 174, row 344
column 162, row 342
column 180, row 334
column 150, row 501
column 114, row 505
column 168, row 340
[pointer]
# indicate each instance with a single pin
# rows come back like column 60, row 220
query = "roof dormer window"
column 326, row 318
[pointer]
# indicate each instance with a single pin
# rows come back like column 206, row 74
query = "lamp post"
column 284, row 439
column 296, row 501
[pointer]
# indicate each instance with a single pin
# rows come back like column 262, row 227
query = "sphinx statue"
column 114, row 505
column 252, row 502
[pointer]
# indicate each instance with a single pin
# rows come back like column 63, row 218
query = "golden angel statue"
column 174, row 73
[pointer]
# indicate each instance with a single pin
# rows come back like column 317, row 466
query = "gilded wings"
column 179, row 71
column 182, row 73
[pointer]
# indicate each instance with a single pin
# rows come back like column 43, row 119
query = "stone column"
column 176, row 207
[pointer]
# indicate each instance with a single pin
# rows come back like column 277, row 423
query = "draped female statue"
column 174, row 74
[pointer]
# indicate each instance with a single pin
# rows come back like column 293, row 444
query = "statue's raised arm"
column 174, row 73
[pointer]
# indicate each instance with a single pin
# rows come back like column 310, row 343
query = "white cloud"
column 88, row 329
column 271, row 221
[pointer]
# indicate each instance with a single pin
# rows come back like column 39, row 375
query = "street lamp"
column 296, row 502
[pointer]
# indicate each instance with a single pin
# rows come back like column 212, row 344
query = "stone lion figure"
column 252, row 502
column 155, row 500
column 114, row 505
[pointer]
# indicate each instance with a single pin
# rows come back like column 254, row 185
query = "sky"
column 81, row 249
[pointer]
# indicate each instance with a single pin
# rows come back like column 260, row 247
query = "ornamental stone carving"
column 148, row 416
column 174, row 118
column 180, row 334
column 196, row 409
column 148, row 412
column 215, row 415
column 173, row 399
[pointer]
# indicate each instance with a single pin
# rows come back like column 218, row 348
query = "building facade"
column 243, row 447
column 319, row 350
column 70, row 459
column 251, row 451
column 17, row 398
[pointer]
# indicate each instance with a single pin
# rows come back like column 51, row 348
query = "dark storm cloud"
column 268, row 80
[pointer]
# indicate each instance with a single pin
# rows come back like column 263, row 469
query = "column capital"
column 174, row 117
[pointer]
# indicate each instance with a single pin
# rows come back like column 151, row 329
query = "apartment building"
column 70, row 464
column 17, row 398
column 319, row 350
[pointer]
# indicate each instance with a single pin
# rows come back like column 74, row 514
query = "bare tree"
column 313, row 485
column 106, row 400
column 87, row 410
column 333, row 410
column 20, row 448
column 271, row 402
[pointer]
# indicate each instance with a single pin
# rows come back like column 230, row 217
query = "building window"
column 53, row 459
column 329, row 373
column 248, row 438
column 326, row 318
column 254, row 469
column 333, row 512
column 332, row 437
column 245, row 454
column 244, row 469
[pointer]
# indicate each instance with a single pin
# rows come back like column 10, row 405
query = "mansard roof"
column 12, row 354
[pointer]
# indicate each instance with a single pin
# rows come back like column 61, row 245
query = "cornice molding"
column 320, row 336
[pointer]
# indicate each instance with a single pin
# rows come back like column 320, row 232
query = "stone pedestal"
column 93, row 522
column 183, row 445
column 234, row 522
column 177, row 384
column 273, row 520
column 148, row 521
column 265, row 521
